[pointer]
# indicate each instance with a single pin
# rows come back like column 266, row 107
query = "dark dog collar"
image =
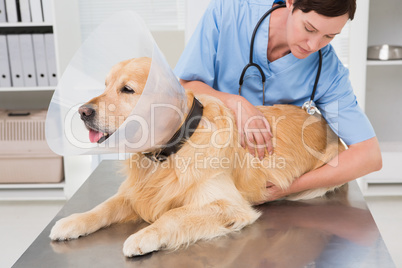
column 185, row 132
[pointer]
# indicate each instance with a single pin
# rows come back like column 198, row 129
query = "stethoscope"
column 308, row 105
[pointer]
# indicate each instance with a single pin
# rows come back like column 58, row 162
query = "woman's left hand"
column 273, row 192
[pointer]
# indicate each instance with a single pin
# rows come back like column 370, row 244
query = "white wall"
column 358, row 51
column 385, row 24
column 194, row 11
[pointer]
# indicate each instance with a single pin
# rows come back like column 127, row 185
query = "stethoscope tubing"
column 251, row 62
column 317, row 77
column 309, row 104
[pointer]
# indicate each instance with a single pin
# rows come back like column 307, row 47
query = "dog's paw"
column 68, row 228
column 144, row 241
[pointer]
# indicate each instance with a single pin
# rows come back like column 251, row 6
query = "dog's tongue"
column 94, row 136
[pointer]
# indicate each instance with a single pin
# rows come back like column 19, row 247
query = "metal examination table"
column 337, row 231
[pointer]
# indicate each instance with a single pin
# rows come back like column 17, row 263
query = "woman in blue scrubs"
column 286, row 48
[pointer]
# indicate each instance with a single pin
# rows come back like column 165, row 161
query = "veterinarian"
column 286, row 48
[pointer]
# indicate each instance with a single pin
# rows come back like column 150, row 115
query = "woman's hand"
column 358, row 160
column 254, row 129
column 273, row 192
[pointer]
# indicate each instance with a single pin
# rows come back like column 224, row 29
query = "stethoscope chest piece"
column 309, row 107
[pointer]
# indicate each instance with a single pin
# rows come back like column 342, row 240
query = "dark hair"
column 328, row 8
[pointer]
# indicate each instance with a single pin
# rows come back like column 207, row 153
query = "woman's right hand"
column 254, row 129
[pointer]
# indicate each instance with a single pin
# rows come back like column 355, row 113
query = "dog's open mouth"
column 96, row 136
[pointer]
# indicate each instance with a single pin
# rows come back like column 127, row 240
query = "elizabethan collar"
column 155, row 118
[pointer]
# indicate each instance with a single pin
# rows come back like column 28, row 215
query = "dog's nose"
column 86, row 112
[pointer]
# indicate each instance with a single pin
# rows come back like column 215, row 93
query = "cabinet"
column 66, row 33
column 383, row 96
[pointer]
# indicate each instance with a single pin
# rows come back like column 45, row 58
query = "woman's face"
column 309, row 32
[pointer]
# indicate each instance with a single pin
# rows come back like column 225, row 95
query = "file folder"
column 3, row 17
column 17, row 76
column 36, row 10
column 28, row 61
column 40, row 59
column 11, row 9
column 5, row 79
column 51, row 59
column 47, row 11
column 25, row 11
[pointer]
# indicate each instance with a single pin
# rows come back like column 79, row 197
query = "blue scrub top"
column 219, row 49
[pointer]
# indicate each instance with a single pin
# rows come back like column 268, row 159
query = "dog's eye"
column 128, row 90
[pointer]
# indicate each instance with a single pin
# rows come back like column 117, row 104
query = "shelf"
column 379, row 188
column 20, row 89
column 384, row 62
column 388, row 180
column 25, row 24
column 37, row 191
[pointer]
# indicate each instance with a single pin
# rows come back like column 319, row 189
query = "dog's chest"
column 155, row 196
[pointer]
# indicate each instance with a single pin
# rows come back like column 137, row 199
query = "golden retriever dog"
column 214, row 193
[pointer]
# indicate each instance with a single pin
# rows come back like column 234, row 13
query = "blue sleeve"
column 197, row 61
column 340, row 108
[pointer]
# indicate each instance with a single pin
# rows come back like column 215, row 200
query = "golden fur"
column 208, row 187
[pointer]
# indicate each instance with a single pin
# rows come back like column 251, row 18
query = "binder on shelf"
column 36, row 10
column 3, row 17
column 40, row 59
column 11, row 9
column 25, row 11
column 51, row 59
column 17, row 75
column 5, row 79
column 28, row 61
column 47, row 11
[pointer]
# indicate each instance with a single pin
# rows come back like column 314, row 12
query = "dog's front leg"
column 113, row 210
column 186, row 225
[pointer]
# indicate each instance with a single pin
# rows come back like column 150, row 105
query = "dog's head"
column 124, row 85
